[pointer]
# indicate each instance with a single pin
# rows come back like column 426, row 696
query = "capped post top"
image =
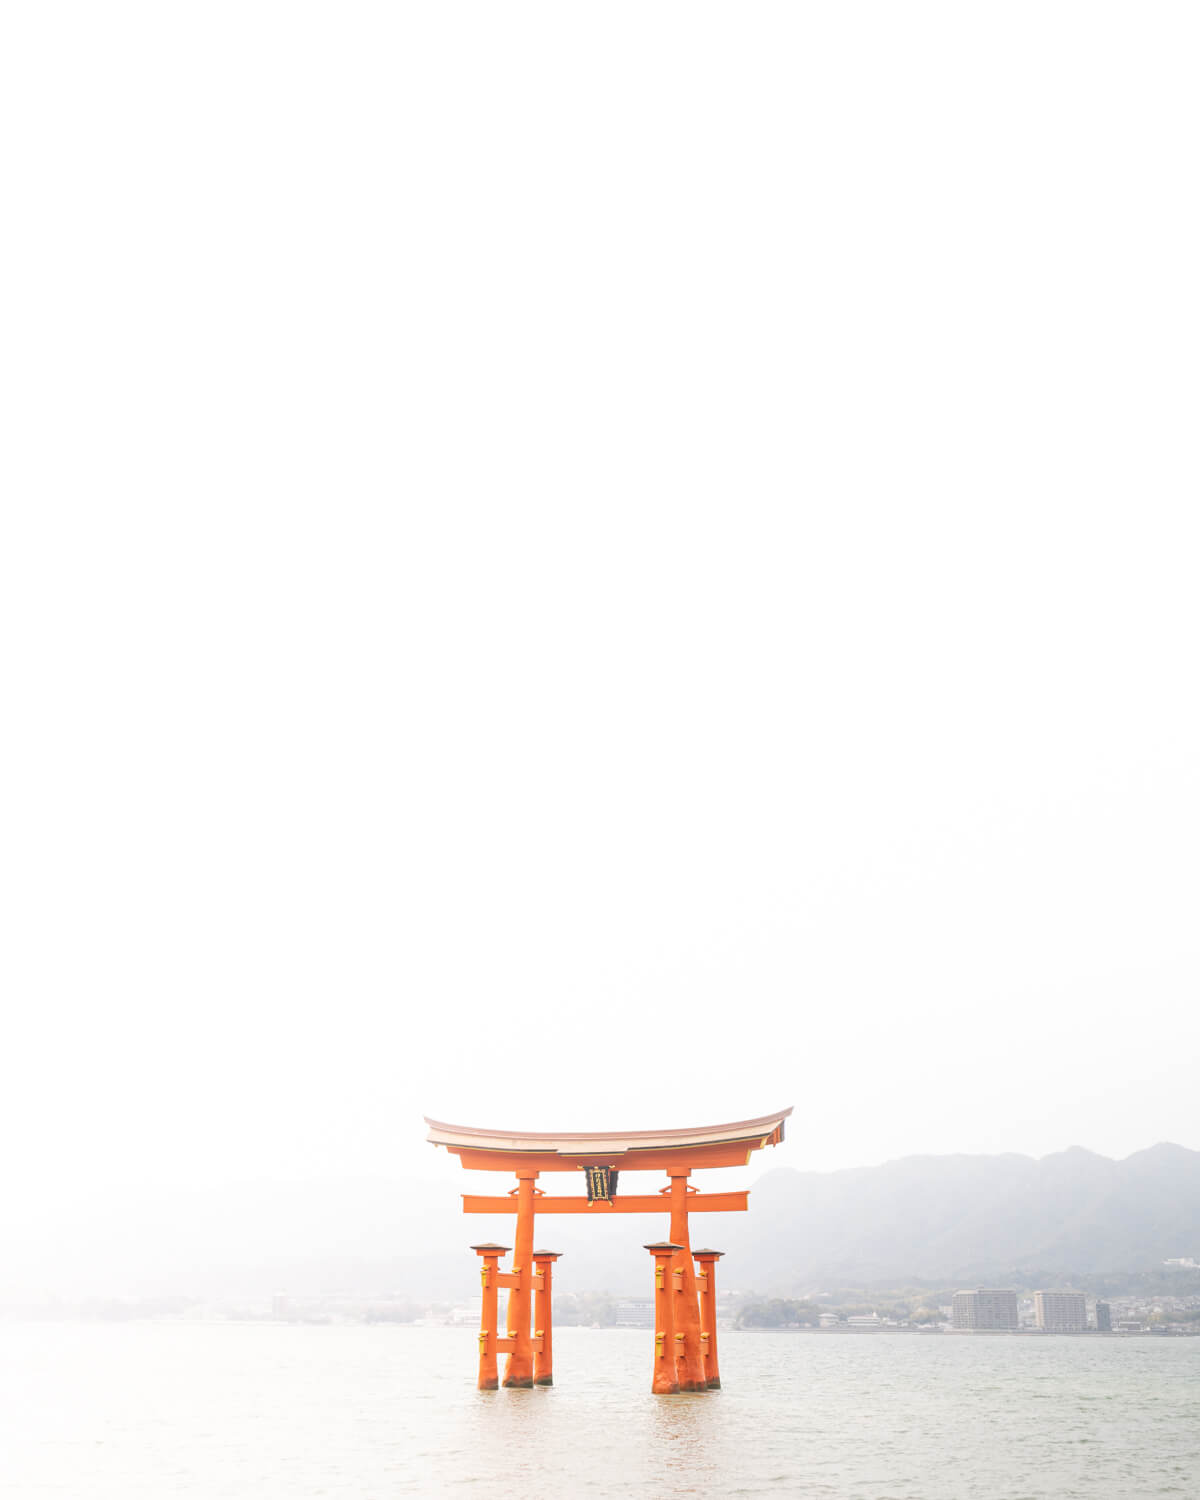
column 546, row 1254
column 716, row 1254
column 662, row 1247
column 489, row 1247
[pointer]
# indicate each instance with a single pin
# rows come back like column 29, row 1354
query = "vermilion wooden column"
column 691, row 1372
column 519, row 1370
column 489, row 1277
column 665, row 1381
column 707, row 1278
column 543, row 1317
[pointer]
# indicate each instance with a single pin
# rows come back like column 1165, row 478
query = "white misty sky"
column 578, row 567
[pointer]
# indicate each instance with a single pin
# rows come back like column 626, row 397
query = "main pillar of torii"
column 685, row 1342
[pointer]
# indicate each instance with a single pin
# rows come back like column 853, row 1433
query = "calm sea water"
column 278, row 1412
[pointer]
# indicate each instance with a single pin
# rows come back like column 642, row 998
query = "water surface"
column 177, row 1411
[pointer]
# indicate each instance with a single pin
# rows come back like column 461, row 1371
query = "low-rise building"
column 635, row 1312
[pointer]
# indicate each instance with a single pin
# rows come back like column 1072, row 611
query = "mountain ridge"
column 966, row 1217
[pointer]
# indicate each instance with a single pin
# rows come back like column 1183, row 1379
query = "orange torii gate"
column 685, row 1298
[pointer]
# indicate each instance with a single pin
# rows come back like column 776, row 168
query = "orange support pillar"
column 707, row 1278
column 519, row 1370
column 665, row 1381
column 489, row 1276
column 692, row 1376
column 543, row 1318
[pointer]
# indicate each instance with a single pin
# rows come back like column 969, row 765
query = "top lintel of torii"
column 633, row 1150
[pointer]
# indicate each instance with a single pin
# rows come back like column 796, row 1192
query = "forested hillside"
column 970, row 1217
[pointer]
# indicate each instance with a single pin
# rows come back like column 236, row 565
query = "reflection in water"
column 682, row 1429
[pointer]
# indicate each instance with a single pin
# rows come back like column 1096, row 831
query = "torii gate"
column 685, row 1300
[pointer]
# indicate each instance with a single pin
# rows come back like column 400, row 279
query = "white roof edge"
column 594, row 1144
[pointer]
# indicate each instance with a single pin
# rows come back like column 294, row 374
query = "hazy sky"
column 574, row 566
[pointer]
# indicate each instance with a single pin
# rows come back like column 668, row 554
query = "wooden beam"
column 635, row 1203
column 509, row 1345
column 632, row 1159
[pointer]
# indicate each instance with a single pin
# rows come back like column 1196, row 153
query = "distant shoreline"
column 993, row 1333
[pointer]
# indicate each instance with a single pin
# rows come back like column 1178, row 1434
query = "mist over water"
column 232, row 1411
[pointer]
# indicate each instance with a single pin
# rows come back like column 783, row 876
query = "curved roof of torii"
column 567, row 1150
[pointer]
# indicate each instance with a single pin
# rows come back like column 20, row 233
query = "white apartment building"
column 985, row 1307
column 1060, row 1312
